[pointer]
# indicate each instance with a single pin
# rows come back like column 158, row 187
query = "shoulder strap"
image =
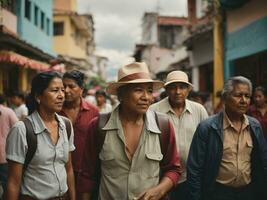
column 68, row 126
column 102, row 120
column 31, row 142
column 163, row 124
column 161, row 119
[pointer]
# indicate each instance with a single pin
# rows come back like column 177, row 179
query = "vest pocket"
column 151, row 166
column 108, row 163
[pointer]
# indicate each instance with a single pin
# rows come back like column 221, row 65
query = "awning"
column 17, row 59
column 14, row 58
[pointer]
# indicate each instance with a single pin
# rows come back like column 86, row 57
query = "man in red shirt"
column 80, row 112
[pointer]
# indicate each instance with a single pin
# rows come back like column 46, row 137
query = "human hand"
column 154, row 193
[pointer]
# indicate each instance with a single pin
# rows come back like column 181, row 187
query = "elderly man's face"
column 238, row 101
column 177, row 93
column 137, row 97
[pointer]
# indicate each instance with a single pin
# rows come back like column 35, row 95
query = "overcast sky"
column 118, row 24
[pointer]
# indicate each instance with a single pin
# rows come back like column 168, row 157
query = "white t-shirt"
column 21, row 111
column 105, row 109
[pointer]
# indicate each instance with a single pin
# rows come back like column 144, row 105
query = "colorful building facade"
column 246, row 41
column 26, row 42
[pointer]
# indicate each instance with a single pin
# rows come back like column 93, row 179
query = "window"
column 47, row 26
column 28, row 9
column 58, row 28
column 36, row 15
column 10, row 5
column 167, row 36
column 42, row 20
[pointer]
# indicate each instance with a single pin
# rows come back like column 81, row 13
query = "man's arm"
column 195, row 164
column 169, row 167
column 89, row 178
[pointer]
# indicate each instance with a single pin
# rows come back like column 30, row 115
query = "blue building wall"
column 247, row 41
column 30, row 28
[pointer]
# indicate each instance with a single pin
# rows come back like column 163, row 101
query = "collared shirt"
column 21, row 111
column 7, row 120
column 120, row 177
column 81, row 126
column 184, row 126
column 261, row 118
column 45, row 176
column 235, row 168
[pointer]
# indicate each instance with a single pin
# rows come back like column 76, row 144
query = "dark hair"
column 76, row 75
column 18, row 94
column 2, row 99
column 261, row 89
column 101, row 93
column 39, row 83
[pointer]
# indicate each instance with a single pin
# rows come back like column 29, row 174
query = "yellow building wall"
column 65, row 44
column 23, row 79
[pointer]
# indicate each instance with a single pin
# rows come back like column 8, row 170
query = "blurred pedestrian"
column 7, row 120
column 228, row 154
column 101, row 102
column 49, row 174
column 185, row 116
column 134, row 161
column 220, row 106
column 18, row 100
column 90, row 96
column 80, row 112
column 259, row 108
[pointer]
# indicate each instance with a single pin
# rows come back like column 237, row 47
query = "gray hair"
column 231, row 82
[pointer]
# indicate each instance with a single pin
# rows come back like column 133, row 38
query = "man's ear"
column 190, row 88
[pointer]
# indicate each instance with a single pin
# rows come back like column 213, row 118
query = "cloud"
column 118, row 24
column 116, row 60
column 116, row 33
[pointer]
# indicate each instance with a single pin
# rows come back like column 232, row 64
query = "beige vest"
column 122, row 179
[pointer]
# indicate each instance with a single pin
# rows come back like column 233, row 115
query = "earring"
column 38, row 101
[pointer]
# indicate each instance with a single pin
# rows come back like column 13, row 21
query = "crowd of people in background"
column 125, row 142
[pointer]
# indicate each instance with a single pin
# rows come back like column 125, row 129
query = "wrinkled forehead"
column 241, row 87
column 178, row 84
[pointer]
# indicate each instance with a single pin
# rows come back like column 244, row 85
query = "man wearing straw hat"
column 185, row 116
column 131, row 163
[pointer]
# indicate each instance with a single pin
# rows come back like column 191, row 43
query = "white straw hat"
column 176, row 77
column 136, row 72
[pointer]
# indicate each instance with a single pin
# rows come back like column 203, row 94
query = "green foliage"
column 96, row 81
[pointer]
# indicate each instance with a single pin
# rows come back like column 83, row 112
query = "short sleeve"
column 24, row 111
column 16, row 144
column 71, row 139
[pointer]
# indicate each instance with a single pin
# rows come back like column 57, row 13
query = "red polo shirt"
column 81, row 126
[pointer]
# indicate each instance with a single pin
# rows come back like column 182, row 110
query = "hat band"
column 139, row 75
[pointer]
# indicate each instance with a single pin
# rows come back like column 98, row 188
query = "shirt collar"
column 84, row 105
column 150, row 121
column 38, row 124
column 166, row 107
column 227, row 122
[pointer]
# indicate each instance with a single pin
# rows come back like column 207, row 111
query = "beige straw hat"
column 136, row 72
column 177, row 76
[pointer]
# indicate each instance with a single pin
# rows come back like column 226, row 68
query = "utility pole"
column 218, row 77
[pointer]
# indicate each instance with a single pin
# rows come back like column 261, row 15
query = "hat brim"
column 113, row 86
column 176, row 81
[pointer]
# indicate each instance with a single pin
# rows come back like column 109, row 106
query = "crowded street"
column 133, row 100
